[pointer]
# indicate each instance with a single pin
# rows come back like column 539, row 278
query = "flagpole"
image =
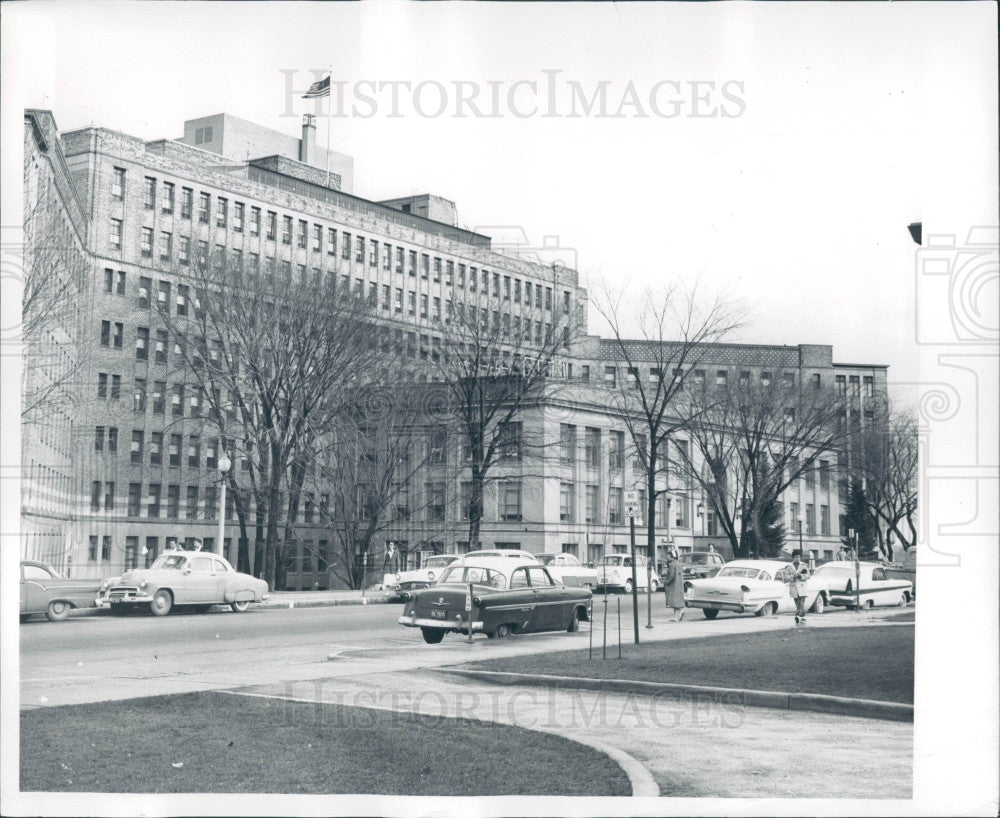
column 329, row 125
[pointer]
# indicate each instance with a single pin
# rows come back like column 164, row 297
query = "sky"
column 788, row 187
column 807, row 136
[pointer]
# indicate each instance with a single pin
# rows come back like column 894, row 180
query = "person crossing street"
column 798, row 575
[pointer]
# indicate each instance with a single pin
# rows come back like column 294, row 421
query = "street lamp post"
column 224, row 465
column 801, row 552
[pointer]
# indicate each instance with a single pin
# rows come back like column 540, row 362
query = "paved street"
column 101, row 658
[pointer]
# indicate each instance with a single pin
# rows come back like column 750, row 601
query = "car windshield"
column 616, row 559
column 835, row 571
column 695, row 559
column 464, row 574
column 735, row 571
column 174, row 561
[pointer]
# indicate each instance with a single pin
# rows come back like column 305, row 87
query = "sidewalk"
column 320, row 599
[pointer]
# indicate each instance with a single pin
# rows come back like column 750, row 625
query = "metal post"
column 470, row 613
column 224, row 465
column 635, row 581
column 857, row 573
column 590, row 631
column 649, row 592
column 620, row 627
column 604, row 649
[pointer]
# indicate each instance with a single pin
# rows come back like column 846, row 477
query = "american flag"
column 318, row 89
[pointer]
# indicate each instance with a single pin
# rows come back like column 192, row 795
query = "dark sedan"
column 507, row 596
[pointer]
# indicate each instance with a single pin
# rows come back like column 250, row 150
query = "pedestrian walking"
column 797, row 578
column 673, row 585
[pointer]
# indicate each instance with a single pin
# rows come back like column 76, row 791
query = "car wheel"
column 868, row 604
column 240, row 607
column 628, row 586
column 432, row 635
column 709, row 613
column 501, row 631
column 57, row 611
column 819, row 605
column 903, row 599
column 162, row 602
column 654, row 586
column 574, row 624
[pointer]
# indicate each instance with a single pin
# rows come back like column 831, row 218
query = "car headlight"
column 430, row 575
column 142, row 584
column 397, row 577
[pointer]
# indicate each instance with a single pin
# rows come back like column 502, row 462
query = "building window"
column 160, row 347
column 177, row 400
column 191, row 511
column 331, row 241
column 616, row 508
column 610, row 376
column 153, row 507
column 184, row 250
column 156, row 448
column 510, row 501
column 592, row 500
column 134, row 492
column 510, row 442
column 187, row 202
column 359, row 253
column 435, row 501
column 106, row 548
column 592, row 447
column 567, row 443
column 175, row 450
column 102, row 384
column 136, row 447
column 810, row 519
column 167, row 201
column 109, row 496
column 146, row 242
column 150, row 198
column 204, row 207
column 202, row 136
column 95, row 496
column 567, row 511
column 166, row 245
column 173, row 501
column 616, row 450
column 118, row 184
column 115, row 236
column 824, row 475
column 222, row 217
column 194, row 451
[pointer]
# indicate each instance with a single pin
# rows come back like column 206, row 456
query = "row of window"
column 317, row 238
column 698, row 378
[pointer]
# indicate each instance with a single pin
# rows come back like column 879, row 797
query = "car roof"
column 509, row 553
column 760, row 565
column 491, row 562
column 38, row 564
column 849, row 564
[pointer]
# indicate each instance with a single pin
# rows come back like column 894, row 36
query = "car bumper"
column 126, row 599
column 736, row 607
column 440, row 624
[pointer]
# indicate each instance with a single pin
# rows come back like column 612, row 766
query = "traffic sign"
column 632, row 503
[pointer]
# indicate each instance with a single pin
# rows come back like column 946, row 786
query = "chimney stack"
column 307, row 147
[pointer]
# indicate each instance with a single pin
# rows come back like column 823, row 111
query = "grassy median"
column 214, row 742
column 870, row 662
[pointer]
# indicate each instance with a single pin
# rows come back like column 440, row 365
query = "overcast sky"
column 834, row 126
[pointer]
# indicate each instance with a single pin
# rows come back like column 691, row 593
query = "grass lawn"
column 871, row 662
column 214, row 742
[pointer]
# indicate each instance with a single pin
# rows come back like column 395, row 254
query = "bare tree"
column 886, row 455
column 661, row 337
column 277, row 362
column 494, row 365
column 55, row 271
column 750, row 441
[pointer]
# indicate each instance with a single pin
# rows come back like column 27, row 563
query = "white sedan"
column 838, row 581
column 566, row 568
column 396, row 585
column 749, row 586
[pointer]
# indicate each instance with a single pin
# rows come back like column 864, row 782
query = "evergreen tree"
column 857, row 515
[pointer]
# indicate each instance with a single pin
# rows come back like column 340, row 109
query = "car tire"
column 432, row 635
column 819, row 606
column 240, row 607
column 654, row 586
column 57, row 610
column 161, row 603
column 628, row 586
column 709, row 613
column 501, row 631
column 574, row 624
column 868, row 604
column 903, row 599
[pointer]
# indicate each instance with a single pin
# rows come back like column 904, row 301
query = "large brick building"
column 133, row 467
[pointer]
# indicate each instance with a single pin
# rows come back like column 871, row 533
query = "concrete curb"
column 279, row 603
column 815, row 702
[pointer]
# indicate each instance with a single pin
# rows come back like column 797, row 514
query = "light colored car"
column 700, row 564
column 839, row 579
column 507, row 596
column 197, row 578
column 615, row 571
column 502, row 552
column 566, row 568
column 44, row 591
column 749, row 586
column 396, row 585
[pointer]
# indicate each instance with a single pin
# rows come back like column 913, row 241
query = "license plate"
column 437, row 614
column 117, row 597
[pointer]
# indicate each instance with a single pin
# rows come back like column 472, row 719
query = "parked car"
column 749, row 586
column 396, row 585
column 700, row 564
column 566, row 568
column 838, row 580
column 508, row 596
column 905, row 568
column 196, row 578
column 502, row 552
column 44, row 591
column 615, row 571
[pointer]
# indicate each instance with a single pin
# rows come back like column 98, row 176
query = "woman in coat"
column 673, row 586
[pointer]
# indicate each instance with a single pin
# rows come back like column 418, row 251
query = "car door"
column 550, row 600
column 877, row 586
column 35, row 583
column 522, row 599
column 205, row 584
